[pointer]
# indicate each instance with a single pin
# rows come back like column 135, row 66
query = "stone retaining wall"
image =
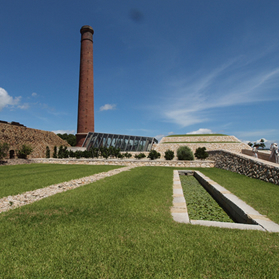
column 199, row 138
column 16, row 136
column 194, row 142
column 247, row 165
column 233, row 147
column 139, row 163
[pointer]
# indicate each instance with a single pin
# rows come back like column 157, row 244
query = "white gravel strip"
column 12, row 202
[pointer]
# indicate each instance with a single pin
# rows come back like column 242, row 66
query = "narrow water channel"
column 200, row 204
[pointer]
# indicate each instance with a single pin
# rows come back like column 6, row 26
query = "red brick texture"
column 86, row 86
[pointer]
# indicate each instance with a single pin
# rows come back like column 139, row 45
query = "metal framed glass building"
column 123, row 142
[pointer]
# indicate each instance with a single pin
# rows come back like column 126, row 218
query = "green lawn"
column 21, row 178
column 121, row 227
column 263, row 196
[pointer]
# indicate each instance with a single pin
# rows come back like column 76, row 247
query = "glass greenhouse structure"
column 123, row 142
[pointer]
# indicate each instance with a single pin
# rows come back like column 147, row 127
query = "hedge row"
column 183, row 153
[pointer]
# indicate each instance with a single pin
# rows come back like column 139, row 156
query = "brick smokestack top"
column 86, row 86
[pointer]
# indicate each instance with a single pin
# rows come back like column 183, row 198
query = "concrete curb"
column 241, row 211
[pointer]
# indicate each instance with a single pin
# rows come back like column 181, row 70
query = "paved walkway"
column 12, row 202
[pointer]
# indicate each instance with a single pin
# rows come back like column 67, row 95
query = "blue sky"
column 160, row 67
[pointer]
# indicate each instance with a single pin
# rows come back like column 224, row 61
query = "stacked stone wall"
column 247, row 165
column 229, row 143
column 131, row 162
column 16, row 136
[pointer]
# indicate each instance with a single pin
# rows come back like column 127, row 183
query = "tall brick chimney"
column 86, row 86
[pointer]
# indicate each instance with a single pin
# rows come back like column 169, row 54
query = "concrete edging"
column 255, row 220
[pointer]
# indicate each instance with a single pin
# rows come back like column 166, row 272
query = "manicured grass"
column 261, row 195
column 121, row 227
column 200, row 204
column 21, row 178
column 197, row 135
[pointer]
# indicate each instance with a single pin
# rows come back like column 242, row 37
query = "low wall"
column 234, row 147
column 247, row 165
column 230, row 143
column 131, row 162
column 264, row 155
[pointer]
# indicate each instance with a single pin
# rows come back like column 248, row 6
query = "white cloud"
column 6, row 99
column 266, row 142
column 24, row 106
column 200, row 131
column 64, row 132
column 194, row 99
column 159, row 137
column 108, row 107
column 34, row 94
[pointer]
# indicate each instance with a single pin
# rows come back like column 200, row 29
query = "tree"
column 54, row 152
column 24, row 151
column 47, row 152
column 70, row 138
column 4, row 148
column 257, row 144
column 201, row 153
column 63, row 152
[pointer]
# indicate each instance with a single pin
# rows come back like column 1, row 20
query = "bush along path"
column 12, row 202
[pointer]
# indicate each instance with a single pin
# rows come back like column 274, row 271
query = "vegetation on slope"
column 121, row 227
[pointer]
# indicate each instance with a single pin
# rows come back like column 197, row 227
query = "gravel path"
column 12, row 202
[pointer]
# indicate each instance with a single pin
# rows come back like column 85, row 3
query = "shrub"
column 104, row 152
column 47, row 152
column 71, row 154
column 24, row 151
column 201, row 153
column 128, row 155
column 54, row 155
column 114, row 152
column 4, row 148
column 120, row 156
column 78, row 154
column 86, row 154
column 94, row 152
column 140, row 156
column 153, row 154
column 169, row 155
column 63, row 152
column 184, row 153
